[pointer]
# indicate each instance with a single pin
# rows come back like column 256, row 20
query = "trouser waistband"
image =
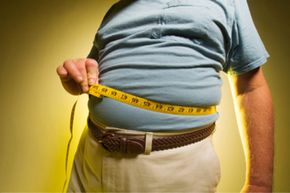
column 137, row 142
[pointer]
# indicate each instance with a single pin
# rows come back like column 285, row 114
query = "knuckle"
column 67, row 63
column 58, row 69
column 91, row 62
column 80, row 61
column 90, row 65
column 82, row 68
column 61, row 71
column 80, row 64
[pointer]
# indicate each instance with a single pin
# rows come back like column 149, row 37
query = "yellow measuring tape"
column 98, row 90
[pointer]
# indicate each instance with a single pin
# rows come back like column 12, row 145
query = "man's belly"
column 174, row 86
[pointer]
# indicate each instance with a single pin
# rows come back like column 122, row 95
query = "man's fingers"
column 73, row 71
column 92, row 71
column 62, row 73
column 83, row 71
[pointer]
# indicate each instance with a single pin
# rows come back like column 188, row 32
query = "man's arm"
column 253, row 105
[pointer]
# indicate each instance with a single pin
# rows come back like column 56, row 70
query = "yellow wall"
column 36, row 36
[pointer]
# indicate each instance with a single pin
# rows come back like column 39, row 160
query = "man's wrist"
column 259, row 183
column 256, row 188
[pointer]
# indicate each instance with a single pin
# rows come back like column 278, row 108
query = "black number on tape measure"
column 158, row 106
column 114, row 93
column 170, row 108
column 181, row 109
column 104, row 89
column 147, row 104
column 190, row 110
column 124, row 97
column 135, row 100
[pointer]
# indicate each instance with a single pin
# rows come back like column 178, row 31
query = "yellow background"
column 37, row 36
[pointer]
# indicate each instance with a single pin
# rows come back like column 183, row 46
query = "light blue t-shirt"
column 171, row 51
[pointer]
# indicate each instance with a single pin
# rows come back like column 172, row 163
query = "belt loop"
column 148, row 143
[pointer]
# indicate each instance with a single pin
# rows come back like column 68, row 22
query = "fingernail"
column 91, row 81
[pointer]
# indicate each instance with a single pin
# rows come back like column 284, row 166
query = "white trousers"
column 191, row 168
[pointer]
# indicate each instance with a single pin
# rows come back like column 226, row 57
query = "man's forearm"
column 255, row 113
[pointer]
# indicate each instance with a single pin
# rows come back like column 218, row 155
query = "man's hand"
column 253, row 103
column 77, row 75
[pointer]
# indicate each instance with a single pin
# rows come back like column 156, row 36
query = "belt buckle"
column 114, row 142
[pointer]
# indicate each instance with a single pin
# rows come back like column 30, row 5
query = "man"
column 171, row 52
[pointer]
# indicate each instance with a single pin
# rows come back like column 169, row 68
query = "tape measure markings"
column 101, row 90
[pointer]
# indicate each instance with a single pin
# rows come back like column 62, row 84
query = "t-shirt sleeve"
column 247, row 51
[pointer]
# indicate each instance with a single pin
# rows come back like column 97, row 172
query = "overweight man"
column 169, row 53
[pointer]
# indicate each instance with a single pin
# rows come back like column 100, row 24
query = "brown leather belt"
column 135, row 143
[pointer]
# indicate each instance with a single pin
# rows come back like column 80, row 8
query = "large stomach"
column 182, row 86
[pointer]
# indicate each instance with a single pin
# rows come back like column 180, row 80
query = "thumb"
column 92, row 68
